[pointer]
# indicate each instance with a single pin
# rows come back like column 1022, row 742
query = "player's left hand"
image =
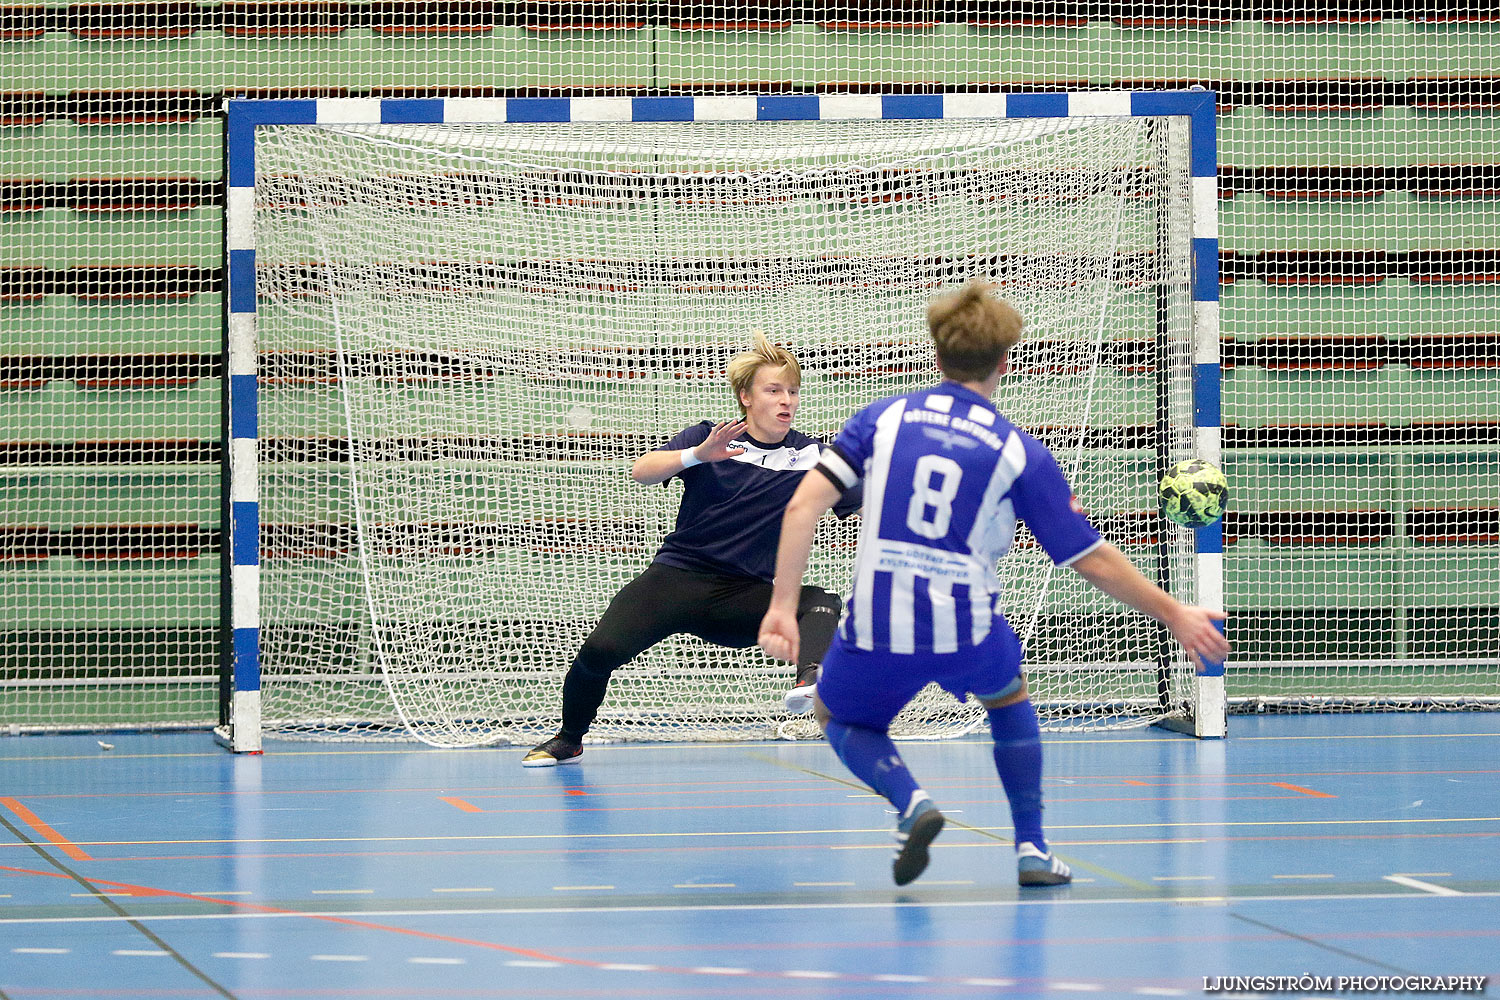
column 779, row 636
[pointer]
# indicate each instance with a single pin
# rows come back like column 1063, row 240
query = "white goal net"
column 468, row 332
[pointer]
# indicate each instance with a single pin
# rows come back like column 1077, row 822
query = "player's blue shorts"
column 867, row 688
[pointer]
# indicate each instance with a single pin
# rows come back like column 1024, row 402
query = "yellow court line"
column 698, row 747
column 678, row 835
column 1302, row 876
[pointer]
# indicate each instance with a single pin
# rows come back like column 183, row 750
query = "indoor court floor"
column 1337, row 845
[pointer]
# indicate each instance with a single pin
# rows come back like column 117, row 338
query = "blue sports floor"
column 1364, row 845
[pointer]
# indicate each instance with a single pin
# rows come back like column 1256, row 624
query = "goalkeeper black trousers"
column 664, row 601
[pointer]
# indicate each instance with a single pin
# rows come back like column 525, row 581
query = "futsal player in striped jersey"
column 712, row 575
column 946, row 478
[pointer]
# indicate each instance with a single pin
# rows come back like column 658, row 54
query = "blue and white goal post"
column 1201, row 711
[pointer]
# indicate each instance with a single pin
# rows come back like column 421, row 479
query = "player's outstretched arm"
column 778, row 630
column 659, row 466
column 1107, row 568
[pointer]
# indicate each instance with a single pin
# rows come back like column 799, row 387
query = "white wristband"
column 689, row 459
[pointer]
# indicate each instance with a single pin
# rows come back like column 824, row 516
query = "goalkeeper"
column 712, row 575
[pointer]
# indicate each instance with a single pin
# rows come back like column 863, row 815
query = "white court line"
column 339, row 958
column 466, row 889
column 140, row 952
column 887, row 904
column 704, row 885
column 437, row 961
column 241, row 954
column 41, row 951
column 627, row 967
column 1413, row 883
column 343, row 892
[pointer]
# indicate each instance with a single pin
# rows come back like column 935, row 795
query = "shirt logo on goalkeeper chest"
column 782, row 459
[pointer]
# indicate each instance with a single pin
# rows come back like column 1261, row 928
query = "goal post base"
column 242, row 734
column 1208, row 714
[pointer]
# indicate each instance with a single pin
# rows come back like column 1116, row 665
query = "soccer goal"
column 454, row 323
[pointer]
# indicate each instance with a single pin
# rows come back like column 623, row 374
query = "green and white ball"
column 1194, row 493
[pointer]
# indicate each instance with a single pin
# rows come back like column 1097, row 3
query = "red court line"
column 143, row 890
column 1304, row 791
column 1249, row 777
column 1052, row 940
column 460, row 804
column 568, row 809
column 146, row 890
column 34, row 821
column 1187, row 783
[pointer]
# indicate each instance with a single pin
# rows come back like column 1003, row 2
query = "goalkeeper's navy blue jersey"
column 729, row 521
column 945, row 478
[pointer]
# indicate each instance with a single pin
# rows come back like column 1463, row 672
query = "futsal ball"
column 1194, row 493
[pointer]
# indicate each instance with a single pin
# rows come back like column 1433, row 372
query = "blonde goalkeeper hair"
column 972, row 329
column 762, row 354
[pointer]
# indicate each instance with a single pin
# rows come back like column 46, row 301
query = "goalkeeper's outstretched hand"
column 779, row 636
column 719, row 445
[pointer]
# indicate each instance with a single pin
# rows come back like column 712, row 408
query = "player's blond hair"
column 763, row 354
column 972, row 329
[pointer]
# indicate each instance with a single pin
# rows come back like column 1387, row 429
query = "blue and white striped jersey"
column 945, row 478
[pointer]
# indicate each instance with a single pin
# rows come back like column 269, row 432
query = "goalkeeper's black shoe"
column 552, row 753
column 800, row 698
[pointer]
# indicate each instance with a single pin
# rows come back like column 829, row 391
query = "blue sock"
column 1018, row 758
column 871, row 755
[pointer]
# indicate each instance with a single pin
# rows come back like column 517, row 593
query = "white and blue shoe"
column 1037, row 867
column 800, row 698
column 917, row 829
